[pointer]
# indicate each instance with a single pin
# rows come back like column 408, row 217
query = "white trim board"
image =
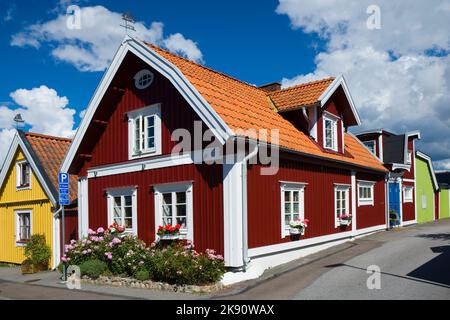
column 326, row 95
column 260, row 251
column 17, row 141
column 206, row 113
column 135, row 166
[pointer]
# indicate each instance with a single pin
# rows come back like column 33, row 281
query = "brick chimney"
column 270, row 87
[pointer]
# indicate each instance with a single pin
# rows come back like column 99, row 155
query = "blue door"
column 394, row 203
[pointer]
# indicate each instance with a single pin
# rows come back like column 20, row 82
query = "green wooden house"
column 427, row 189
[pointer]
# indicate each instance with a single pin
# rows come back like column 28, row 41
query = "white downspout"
column 56, row 239
column 253, row 153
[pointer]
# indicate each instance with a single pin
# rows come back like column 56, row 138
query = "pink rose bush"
column 126, row 256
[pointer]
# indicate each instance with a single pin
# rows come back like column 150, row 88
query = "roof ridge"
column 204, row 67
column 45, row 136
column 304, row 84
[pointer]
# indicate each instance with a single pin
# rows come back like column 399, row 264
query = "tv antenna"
column 128, row 22
column 18, row 120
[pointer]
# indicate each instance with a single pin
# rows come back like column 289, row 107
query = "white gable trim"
column 17, row 141
column 430, row 164
column 206, row 113
column 326, row 95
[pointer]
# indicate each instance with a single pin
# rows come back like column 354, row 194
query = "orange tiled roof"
column 304, row 94
column 50, row 152
column 244, row 106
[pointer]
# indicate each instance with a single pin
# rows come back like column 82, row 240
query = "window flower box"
column 297, row 227
column 169, row 232
column 345, row 219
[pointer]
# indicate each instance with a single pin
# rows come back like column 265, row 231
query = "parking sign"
column 63, row 179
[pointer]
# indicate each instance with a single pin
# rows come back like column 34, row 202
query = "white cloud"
column 92, row 47
column 399, row 75
column 441, row 165
column 43, row 110
column 179, row 44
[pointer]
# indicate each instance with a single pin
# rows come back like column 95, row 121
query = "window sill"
column 20, row 188
column 144, row 154
column 360, row 204
column 407, row 201
column 22, row 243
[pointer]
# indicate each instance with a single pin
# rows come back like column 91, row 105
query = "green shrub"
column 37, row 250
column 93, row 268
column 142, row 275
column 128, row 256
column 181, row 265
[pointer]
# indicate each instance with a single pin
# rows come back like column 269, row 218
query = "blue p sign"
column 63, row 178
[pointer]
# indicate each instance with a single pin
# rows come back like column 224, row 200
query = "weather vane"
column 129, row 22
column 18, row 120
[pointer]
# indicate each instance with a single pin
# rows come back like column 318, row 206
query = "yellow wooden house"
column 28, row 194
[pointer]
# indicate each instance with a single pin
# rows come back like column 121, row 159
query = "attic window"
column 143, row 79
column 330, row 132
column 371, row 146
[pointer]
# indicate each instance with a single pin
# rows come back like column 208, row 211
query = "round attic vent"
column 143, row 79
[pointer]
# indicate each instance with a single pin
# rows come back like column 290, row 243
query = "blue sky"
column 394, row 75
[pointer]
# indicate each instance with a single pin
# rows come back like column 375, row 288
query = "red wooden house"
column 397, row 153
column 123, row 156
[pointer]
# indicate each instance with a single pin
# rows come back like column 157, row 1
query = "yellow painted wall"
column 11, row 200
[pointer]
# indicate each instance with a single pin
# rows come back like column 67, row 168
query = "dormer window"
column 23, row 175
column 409, row 159
column 144, row 130
column 371, row 145
column 330, row 140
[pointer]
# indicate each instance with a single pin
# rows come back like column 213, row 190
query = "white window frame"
column 142, row 115
column 405, row 198
column 123, row 192
column 424, row 201
column 334, row 122
column 409, row 155
column 187, row 187
column 291, row 186
column 19, row 166
column 374, row 143
column 17, row 214
column 346, row 189
column 366, row 201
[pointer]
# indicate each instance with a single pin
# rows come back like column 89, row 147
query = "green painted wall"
column 444, row 204
column 425, row 192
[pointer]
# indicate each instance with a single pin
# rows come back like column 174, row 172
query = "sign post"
column 64, row 200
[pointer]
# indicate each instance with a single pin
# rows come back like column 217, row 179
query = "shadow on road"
column 418, row 277
column 437, row 269
column 435, row 236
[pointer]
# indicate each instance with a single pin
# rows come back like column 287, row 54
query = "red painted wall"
column 408, row 208
column 369, row 216
column 207, row 198
column 108, row 143
column 71, row 226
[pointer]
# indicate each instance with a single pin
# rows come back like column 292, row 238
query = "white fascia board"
column 175, row 76
column 17, row 141
column 326, row 95
column 430, row 164
column 401, row 166
column 413, row 133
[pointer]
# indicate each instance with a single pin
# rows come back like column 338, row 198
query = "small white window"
column 23, row 175
column 341, row 203
column 23, row 227
column 174, row 205
column 371, row 145
column 408, row 194
column 365, row 193
column 143, row 79
column 122, row 208
column 292, row 205
column 330, row 132
column 424, row 201
column 144, row 132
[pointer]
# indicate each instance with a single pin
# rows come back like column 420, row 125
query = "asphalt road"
column 414, row 263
